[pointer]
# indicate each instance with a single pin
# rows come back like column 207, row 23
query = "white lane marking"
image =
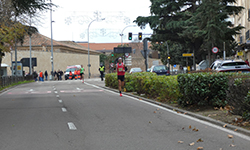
column 31, row 90
column 64, row 109
column 54, row 89
column 78, row 88
column 57, row 95
column 60, row 101
column 71, row 126
column 186, row 116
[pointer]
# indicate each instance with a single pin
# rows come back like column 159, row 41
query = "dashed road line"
column 64, row 109
column 71, row 126
column 60, row 101
column 57, row 95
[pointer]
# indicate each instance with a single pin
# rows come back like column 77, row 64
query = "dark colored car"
column 160, row 70
column 230, row 66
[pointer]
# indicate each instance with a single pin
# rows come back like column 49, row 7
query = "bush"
column 203, row 89
column 164, row 88
column 238, row 95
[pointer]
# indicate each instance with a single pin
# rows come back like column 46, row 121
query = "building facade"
column 65, row 53
column 243, row 19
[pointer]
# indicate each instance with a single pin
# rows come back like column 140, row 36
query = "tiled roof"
column 107, row 46
column 100, row 46
column 38, row 39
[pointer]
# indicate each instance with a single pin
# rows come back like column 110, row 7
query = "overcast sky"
column 73, row 17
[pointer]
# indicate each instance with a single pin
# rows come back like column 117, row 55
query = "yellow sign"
column 240, row 53
column 19, row 68
column 187, row 54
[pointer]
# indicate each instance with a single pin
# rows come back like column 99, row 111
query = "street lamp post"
column 88, row 45
column 123, row 30
column 52, row 63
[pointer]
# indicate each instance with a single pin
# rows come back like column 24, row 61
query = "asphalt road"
column 69, row 115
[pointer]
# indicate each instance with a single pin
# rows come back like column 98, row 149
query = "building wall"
column 61, row 61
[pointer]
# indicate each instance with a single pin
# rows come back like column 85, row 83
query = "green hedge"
column 163, row 88
column 203, row 89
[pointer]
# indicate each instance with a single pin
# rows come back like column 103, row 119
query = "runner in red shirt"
column 121, row 69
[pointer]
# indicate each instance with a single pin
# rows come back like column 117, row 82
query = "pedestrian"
column 40, row 76
column 82, row 74
column 121, row 69
column 35, row 75
column 46, row 75
column 247, row 62
column 102, row 70
column 58, row 75
column 55, row 75
column 61, row 74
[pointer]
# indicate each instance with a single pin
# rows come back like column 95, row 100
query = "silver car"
column 133, row 70
column 230, row 66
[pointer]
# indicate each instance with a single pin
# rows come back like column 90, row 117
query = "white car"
column 133, row 70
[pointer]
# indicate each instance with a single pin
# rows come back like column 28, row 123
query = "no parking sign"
column 215, row 50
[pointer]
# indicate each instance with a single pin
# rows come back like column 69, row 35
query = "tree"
column 12, row 27
column 191, row 23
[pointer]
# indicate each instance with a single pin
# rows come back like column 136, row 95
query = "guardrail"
column 8, row 80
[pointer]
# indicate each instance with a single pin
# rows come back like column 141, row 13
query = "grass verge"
column 15, row 84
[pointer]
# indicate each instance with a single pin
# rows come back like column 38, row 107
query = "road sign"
column 240, row 53
column 122, row 50
column 215, row 50
column 127, row 55
column 187, row 54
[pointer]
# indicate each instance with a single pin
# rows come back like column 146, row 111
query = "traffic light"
column 140, row 36
column 130, row 36
column 169, row 57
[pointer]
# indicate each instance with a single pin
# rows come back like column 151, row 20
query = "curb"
column 210, row 120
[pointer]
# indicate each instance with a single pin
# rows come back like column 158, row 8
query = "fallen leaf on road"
column 158, row 109
column 216, row 108
column 183, row 128
column 74, row 95
column 191, row 144
column 140, row 99
column 180, row 142
column 220, row 148
column 225, row 125
column 231, row 145
column 200, row 140
column 178, row 112
column 190, row 127
column 230, row 136
column 245, row 123
column 185, row 113
column 195, row 129
column 209, row 115
column 154, row 111
column 199, row 148
column 235, row 130
column 149, row 122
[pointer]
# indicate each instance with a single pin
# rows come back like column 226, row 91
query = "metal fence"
column 8, row 80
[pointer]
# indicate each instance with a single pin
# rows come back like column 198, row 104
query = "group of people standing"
column 44, row 76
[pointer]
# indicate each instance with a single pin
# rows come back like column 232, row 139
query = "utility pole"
column 145, row 48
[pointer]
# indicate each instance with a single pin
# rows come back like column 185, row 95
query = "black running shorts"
column 120, row 78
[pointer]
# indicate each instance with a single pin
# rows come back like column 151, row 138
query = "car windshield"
column 160, row 68
column 233, row 64
column 70, row 69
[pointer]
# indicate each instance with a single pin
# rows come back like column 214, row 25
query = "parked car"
column 230, row 66
column 159, row 70
column 133, row 70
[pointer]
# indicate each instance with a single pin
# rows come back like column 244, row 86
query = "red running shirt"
column 120, row 69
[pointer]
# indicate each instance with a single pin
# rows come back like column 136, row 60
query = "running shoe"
column 82, row 81
column 120, row 94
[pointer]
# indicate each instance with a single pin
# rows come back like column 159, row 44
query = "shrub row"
column 203, row 89
column 200, row 89
column 163, row 88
